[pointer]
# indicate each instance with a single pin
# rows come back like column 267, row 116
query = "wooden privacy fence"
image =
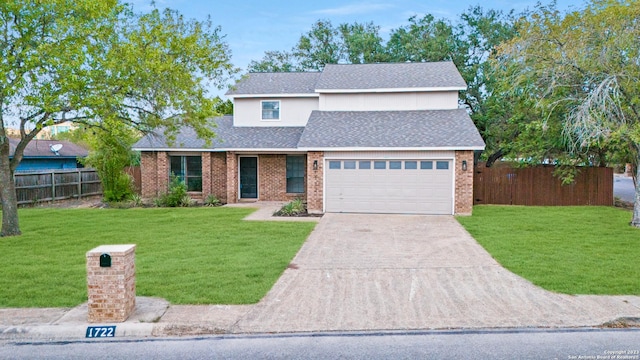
column 537, row 186
column 136, row 176
column 56, row 185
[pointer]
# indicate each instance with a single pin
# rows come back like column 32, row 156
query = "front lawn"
column 185, row 255
column 572, row 250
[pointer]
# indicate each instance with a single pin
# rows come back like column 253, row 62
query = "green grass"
column 571, row 250
column 185, row 255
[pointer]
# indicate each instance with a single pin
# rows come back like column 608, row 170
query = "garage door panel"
column 413, row 190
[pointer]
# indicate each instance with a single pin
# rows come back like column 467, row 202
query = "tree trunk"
column 10, row 226
column 494, row 157
column 636, row 204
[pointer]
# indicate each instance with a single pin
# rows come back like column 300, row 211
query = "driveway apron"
column 381, row 272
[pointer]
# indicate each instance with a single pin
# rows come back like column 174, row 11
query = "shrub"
column 176, row 195
column 212, row 200
column 117, row 187
column 136, row 200
column 293, row 208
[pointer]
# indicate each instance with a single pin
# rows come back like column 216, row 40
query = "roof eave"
column 426, row 148
column 388, row 90
column 216, row 149
column 284, row 95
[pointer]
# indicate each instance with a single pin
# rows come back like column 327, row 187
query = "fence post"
column 53, row 186
column 79, row 184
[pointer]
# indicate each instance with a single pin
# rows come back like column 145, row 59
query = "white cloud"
column 352, row 9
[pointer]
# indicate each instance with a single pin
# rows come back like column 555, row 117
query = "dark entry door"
column 248, row 178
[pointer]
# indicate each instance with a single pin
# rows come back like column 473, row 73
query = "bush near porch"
column 186, row 255
column 568, row 249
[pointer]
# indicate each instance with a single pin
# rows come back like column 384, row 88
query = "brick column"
column 232, row 178
column 463, row 183
column 206, row 174
column 315, row 185
column 219, row 175
column 111, row 290
column 162, row 173
column 148, row 171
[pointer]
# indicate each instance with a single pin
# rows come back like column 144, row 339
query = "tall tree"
column 583, row 67
column 362, row 43
column 318, row 47
column 476, row 38
column 326, row 44
column 274, row 61
column 86, row 61
column 424, row 39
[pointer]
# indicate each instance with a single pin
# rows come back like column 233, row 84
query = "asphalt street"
column 623, row 188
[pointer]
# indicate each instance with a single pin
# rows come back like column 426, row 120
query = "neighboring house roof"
column 295, row 83
column 425, row 129
column 396, row 76
column 42, row 149
column 228, row 137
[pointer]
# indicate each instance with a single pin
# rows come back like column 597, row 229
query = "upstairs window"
column 189, row 170
column 270, row 110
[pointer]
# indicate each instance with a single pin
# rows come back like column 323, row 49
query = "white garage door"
column 389, row 186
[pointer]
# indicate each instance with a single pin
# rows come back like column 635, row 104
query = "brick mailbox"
column 111, row 283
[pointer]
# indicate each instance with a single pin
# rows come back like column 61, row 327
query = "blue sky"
column 253, row 27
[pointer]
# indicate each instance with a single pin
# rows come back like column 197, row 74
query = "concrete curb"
column 73, row 332
column 137, row 331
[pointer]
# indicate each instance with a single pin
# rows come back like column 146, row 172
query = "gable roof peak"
column 276, row 83
column 404, row 76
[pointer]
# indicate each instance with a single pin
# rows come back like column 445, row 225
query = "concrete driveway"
column 380, row 272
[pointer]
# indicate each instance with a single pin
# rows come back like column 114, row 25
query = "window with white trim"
column 189, row 170
column 270, row 110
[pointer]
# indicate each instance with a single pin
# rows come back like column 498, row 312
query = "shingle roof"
column 352, row 77
column 390, row 75
column 227, row 137
column 276, row 83
column 42, row 148
column 390, row 129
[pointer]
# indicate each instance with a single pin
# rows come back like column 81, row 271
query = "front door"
column 248, row 177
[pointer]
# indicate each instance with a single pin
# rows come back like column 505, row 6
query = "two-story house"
column 370, row 138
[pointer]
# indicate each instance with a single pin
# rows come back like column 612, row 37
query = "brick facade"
column 315, row 185
column 162, row 173
column 111, row 290
column 464, row 183
column 206, row 175
column 272, row 179
column 220, row 177
column 232, row 177
column 148, row 171
column 214, row 177
column 154, row 170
